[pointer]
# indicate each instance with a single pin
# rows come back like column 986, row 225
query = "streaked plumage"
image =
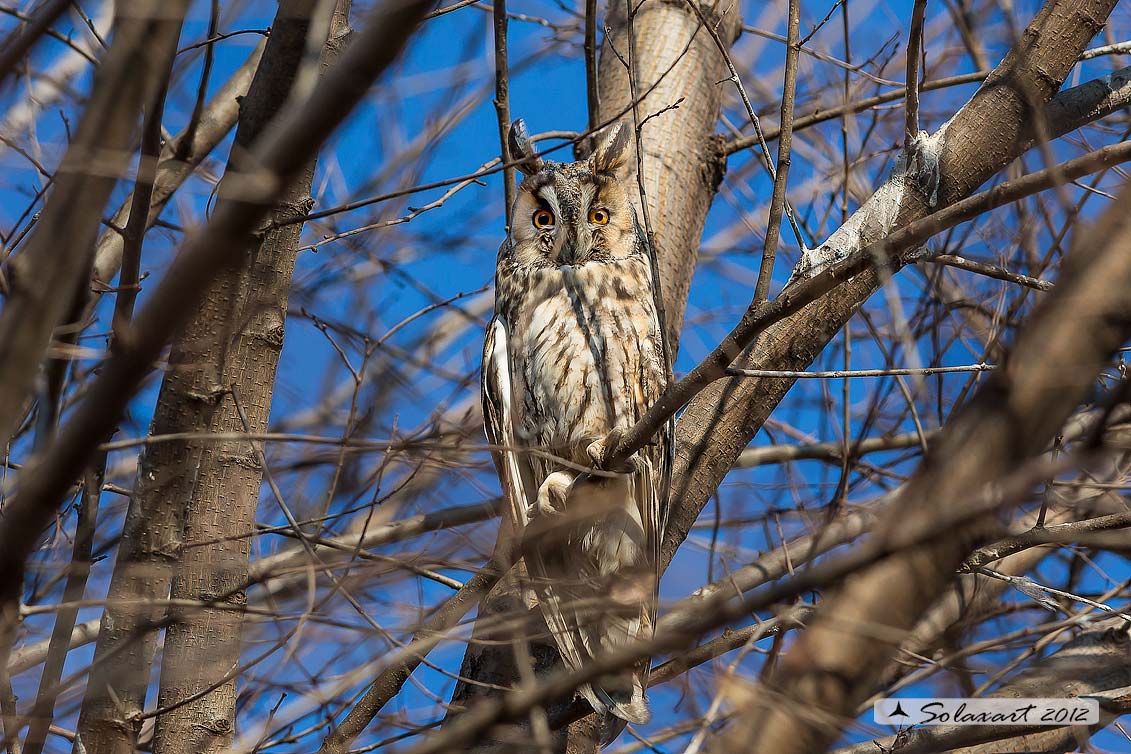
column 574, row 352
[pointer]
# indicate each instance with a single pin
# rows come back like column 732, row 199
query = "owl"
column 573, row 356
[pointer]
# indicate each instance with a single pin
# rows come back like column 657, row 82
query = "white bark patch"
column 1116, row 84
column 917, row 166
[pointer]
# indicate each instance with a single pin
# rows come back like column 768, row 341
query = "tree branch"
column 287, row 146
column 1060, row 350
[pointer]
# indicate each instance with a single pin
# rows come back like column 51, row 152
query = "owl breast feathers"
column 575, row 352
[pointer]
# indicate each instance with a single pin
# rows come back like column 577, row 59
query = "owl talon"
column 599, row 451
column 552, row 495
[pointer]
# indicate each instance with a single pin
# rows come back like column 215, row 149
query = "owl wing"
column 499, row 420
column 657, row 489
column 651, row 489
column 519, row 490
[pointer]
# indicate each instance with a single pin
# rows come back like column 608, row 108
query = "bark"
column 1070, row 337
column 279, row 156
column 990, row 131
column 64, row 627
column 683, row 163
column 191, row 491
column 57, row 255
column 222, row 378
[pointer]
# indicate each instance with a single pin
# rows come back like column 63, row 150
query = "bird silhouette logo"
column 898, row 711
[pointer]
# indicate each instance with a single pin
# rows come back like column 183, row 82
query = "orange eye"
column 543, row 218
column 599, row 216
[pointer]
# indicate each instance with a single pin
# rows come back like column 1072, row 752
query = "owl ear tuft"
column 518, row 143
column 611, row 156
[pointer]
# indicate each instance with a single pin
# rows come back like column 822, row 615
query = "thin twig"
column 134, row 235
column 201, row 90
column 592, row 93
column 785, row 145
column 449, row 8
column 855, row 106
column 840, row 374
column 1029, row 587
column 389, row 682
column 813, row 32
column 61, row 633
column 213, row 38
column 634, row 91
column 502, row 103
column 767, row 161
column 824, row 57
column 998, row 273
column 914, row 52
column 1120, row 48
column 840, row 497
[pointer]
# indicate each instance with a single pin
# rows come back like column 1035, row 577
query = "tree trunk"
column 683, row 164
column 199, row 491
column 684, row 160
column 988, row 133
column 233, row 345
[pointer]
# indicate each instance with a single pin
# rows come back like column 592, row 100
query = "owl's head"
column 572, row 213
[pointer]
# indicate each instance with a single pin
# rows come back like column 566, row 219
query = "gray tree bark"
column 675, row 60
column 222, row 377
column 200, row 491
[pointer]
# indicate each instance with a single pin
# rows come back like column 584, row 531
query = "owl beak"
column 568, row 254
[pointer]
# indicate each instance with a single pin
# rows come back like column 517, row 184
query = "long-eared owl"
column 574, row 356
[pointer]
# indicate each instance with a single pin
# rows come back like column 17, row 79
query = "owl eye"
column 543, row 218
column 599, row 216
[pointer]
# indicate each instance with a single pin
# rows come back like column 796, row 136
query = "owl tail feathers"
column 629, row 705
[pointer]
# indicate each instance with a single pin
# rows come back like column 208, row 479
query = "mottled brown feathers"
column 574, row 352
